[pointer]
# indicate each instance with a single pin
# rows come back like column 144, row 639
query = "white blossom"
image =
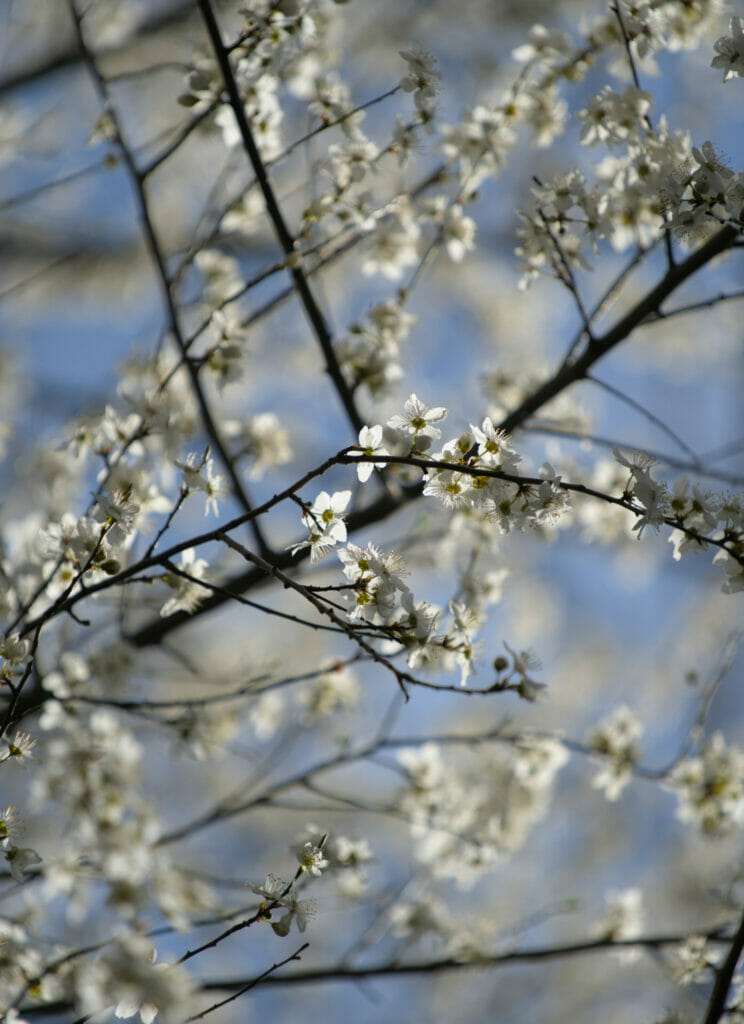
column 187, row 593
column 615, row 739
column 710, row 787
column 730, row 51
column 370, row 442
column 324, row 522
column 418, row 419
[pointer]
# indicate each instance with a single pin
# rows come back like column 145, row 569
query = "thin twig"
column 287, row 242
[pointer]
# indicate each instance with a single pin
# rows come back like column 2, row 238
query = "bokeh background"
column 612, row 623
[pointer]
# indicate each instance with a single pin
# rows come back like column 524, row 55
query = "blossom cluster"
column 371, row 354
column 700, row 517
column 615, row 740
column 469, row 806
column 467, row 816
column 710, row 787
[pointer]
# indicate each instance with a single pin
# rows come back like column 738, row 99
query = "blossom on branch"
column 730, row 50
column 370, row 442
column 324, row 522
column 187, row 593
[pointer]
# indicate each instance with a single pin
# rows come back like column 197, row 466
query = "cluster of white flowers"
column 262, row 440
column 455, row 230
column 480, row 143
column 90, row 771
column 468, row 813
column 317, row 853
column 160, row 395
column 380, row 596
column 22, row 963
column 277, row 47
column 132, row 449
column 637, row 190
column 20, row 859
column 396, row 243
column 710, row 787
column 395, row 223
column 709, row 517
column 613, row 117
column 278, row 893
column 337, row 690
column 652, row 26
column 510, row 504
column 199, row 475
column 650, row 495
column 371, row 353
column 187, row 593
column 422, row 80
column 469, row 807
column 659, row 179
column 125, row 974
column 615, row 739
column 623, row 916
column 343, row 859
column 703, row 193
column 73, row 549
column 348, row 200
column 377, row 579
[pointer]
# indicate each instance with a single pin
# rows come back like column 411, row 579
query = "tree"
column 261, row 267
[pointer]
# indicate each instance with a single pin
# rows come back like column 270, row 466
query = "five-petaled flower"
column 730, row 50
column 418, row 419
column 324, row 523
column 20, row 748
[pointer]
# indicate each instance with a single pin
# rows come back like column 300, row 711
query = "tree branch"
column 287, row 242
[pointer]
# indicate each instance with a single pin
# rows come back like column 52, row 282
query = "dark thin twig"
column 645, row 307
column 252, row 984
column 158, row 258
column 566, row 275
column 602, row 303
column 649, row 124
column 538, row 954
column 724, row 977
column 621, row 396
column 287, row 242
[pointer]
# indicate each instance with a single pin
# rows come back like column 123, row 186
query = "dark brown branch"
column 646, row 307
column 539, row 954
column 724, row 977
column 70, row 55
column 158, row 258
column 158, row 629
column 519, row 956
column 287, row 242
column 252, row 984
column 373, row 513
